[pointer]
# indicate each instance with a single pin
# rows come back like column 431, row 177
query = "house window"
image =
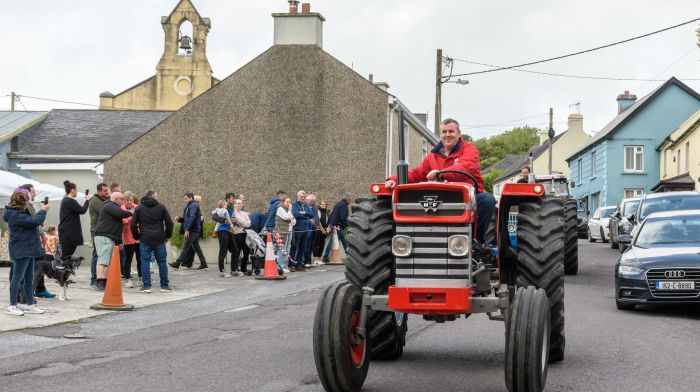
column 634, row 159
column 593, row 165
column 687, row 156
column 424, row 149
column 633, row 192
column 595, row 201
column 580, row 170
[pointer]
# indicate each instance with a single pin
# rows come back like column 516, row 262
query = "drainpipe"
column 390, row 134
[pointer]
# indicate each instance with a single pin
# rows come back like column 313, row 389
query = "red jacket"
column 464, row 157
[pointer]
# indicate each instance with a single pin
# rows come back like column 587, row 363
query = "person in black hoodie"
column 152, row 225
column 108, row 233
column 69, row 229
column 338, row 220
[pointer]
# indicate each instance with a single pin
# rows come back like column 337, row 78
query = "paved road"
column 239, row 341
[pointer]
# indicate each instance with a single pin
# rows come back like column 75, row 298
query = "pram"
column 257, row 250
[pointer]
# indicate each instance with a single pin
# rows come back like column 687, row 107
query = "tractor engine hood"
column 434, row 202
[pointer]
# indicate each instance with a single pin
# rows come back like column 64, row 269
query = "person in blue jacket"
column 303, row 216
column 25, row 247
column 272, row 211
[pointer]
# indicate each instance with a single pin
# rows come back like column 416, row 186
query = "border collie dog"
column 61, row 272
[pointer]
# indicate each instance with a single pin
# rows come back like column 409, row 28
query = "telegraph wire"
column 579, row 52
column 58, row 100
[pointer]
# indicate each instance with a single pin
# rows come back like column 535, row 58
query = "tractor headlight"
column 401, row 245
column 458, row 245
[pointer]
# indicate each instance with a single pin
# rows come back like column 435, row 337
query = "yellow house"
column 563, row 146
column 183, row 72
column 679, row 156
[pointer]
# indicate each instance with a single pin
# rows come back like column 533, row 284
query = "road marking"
column 241, row 308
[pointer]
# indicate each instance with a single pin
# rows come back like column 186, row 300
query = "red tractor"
column 410, row 251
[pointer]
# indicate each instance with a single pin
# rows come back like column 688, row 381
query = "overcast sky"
column 74, row 49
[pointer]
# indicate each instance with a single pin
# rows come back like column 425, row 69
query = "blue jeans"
column 299, row 248
column 93, row 264
column 23, row 269
column 147, row 252
column 309, row 245
column 341, row 238
column 281, row 257
column 485, row 207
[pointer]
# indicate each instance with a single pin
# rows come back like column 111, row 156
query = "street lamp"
column 439, row 80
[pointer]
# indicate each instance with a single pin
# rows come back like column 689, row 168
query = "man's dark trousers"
column 485, row 207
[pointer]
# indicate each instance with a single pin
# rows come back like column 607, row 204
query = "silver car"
column 599, row 224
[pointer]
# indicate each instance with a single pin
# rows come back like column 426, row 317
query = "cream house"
column 679, row 156
column 563, row 145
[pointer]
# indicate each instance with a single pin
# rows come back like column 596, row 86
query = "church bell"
column 185, row 43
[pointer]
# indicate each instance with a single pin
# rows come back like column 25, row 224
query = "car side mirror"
column 618, row 215
column 630, row 217
column 624, row 239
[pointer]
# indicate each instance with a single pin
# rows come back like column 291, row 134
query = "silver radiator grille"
column 656, row 274
column 429, row 264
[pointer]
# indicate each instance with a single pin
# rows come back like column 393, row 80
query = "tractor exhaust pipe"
column 402, row 166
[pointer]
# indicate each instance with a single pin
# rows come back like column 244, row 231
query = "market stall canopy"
column 10, row 181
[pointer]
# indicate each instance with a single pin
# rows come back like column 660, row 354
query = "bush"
column 177, row 239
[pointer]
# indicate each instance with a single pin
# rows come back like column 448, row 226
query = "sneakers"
column 236, row 273
column 225, row 275
column 280, row 272
column 285, row 270
column 45, row 294
column 128, row 284
column 307, row 265
column 166, row 289
column 202, row 267
column 146, row 290
column 33, row 309
column 174, row 266
column 14, row 311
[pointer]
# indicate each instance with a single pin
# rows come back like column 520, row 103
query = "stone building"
column 292, row 118
column 181, row 74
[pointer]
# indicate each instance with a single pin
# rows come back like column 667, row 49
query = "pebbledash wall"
column 293, row 118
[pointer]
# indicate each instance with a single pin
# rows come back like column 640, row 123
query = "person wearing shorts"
column 108, row 234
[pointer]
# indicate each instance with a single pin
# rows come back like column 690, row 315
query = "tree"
column 489, row 178
column 516, row 141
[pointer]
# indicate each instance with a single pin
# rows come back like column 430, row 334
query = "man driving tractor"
column 454, row 153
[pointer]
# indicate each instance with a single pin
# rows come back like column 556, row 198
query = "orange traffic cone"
column 112, row 299
column 335, row 248
column 270, row 272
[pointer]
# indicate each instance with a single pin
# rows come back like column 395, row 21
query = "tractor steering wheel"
column 472, row 178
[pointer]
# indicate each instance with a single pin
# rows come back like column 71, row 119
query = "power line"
column 58, row 100
column 578, row 53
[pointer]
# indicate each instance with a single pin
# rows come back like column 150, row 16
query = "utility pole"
column 12, row 101
column 551, row 137
column 438, row 92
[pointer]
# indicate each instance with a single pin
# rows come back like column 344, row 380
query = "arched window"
column 185, row 39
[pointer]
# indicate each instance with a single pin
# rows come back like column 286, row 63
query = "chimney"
column 575, row 122
column 423, row 117
column 293, row 28
column 382, row 85
column 544, row 135
column 624, row 101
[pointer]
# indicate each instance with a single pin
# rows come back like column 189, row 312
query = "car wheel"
column 623, row 306
column 602, row 236
column 613, row 244
column 590, row 237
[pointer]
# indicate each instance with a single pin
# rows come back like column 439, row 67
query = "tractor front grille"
column 429, row 264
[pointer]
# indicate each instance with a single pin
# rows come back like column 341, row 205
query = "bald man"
column 108, row 233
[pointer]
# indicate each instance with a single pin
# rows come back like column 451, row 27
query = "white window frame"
column 424, row 149
column 580, row 170
column 633, row 192
column 635, row 151
column 594, row 169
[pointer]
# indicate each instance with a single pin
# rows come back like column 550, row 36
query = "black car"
column 619, row 223
column 662, row 262
column 581, row 220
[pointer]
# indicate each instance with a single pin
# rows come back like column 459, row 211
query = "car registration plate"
column 675, row 285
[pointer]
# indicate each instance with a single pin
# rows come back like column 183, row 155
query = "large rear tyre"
column 541, row 261
column 369, row 264
column 341, row 356
column 527, row 341
column 571, row 238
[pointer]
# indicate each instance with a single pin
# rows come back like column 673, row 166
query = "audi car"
column 662, row 262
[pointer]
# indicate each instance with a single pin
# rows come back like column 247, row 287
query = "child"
column 51, row 240
column 221, row 212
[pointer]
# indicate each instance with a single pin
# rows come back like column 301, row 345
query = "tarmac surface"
column 257, row 337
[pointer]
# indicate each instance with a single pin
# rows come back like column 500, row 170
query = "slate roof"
column 14, row 122
column 86, row 132
column 502, row 164
column 622, row 118
column 681, row 181
column 524, row 159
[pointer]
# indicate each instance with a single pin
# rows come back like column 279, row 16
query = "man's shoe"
column 33, row 309
column 166, row 289
column 14, row 311
column 280, row 272
column 307, row 265
column 248, row 273
column 300, row 268
column 175, row 265
column 92, row 282
column 202, row 267
column 45, row 294
column 326, row 260
column 146, row 290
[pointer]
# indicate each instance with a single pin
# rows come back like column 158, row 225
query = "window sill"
column 592, row 178
column 634, row 173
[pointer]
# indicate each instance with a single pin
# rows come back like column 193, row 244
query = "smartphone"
column 46, row 200
column 87, row 192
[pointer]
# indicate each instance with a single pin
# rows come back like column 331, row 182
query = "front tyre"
column 341, row 356
column 370, row 264
column 527, row 341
